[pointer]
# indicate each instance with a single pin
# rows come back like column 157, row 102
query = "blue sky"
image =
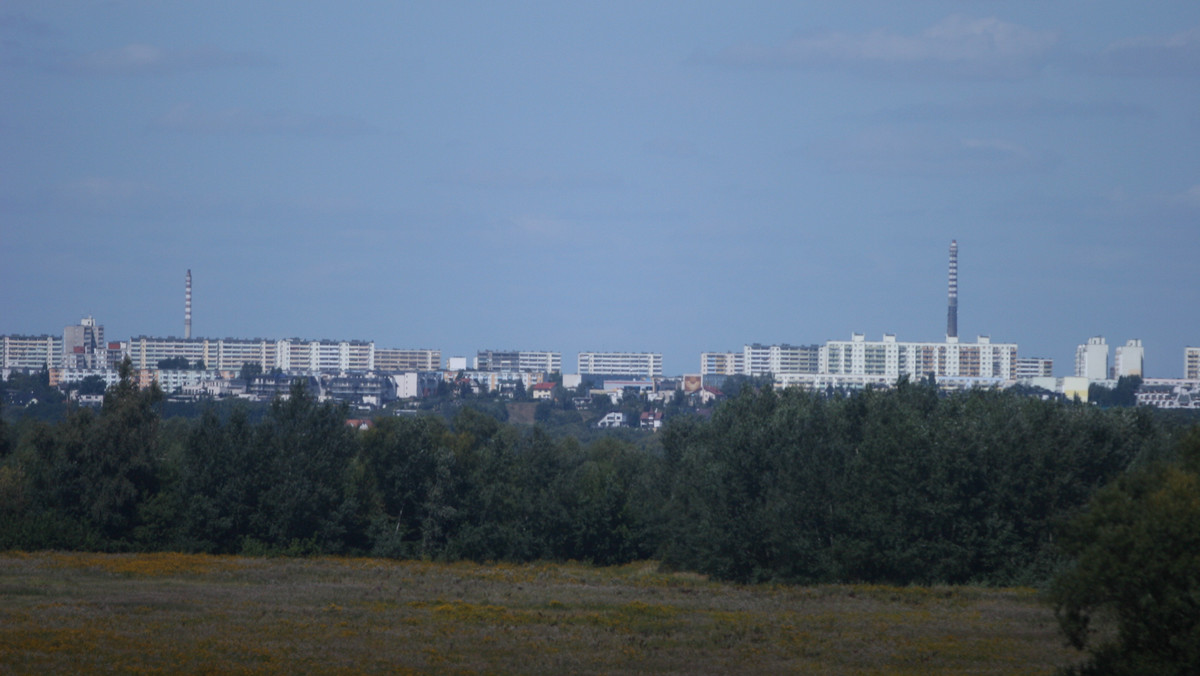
column 639, row 176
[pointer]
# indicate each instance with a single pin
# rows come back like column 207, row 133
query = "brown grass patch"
column 176, row 613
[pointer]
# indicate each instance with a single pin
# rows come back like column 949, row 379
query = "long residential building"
column 394, row 360
column 293, row 355
column 647, row 364
column 760, row 360
column 518, row 360
column 892, row 359
column 32, row 352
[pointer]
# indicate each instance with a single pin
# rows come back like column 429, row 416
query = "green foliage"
column 1136, row 564
column 900, row 486
column 92, row 385
column 304, row 449
column 1124, row 394
column 249, row 370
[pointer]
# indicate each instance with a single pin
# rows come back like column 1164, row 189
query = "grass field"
column 177, row 613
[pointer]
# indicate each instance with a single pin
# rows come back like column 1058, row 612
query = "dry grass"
column 179, row 613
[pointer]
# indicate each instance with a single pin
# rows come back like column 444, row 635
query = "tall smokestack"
column 187, row 307
column 952, row 308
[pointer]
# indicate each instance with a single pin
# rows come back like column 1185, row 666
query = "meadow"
column 192, row 613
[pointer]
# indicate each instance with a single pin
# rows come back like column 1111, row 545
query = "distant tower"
column 952, row 309
column 187, row 307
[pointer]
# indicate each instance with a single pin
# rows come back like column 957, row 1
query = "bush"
column 1137, row 565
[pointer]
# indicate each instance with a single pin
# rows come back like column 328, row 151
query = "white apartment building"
column 647, row 364
column 31, row 352
column 308, row 356
column 891, row 359
column 1191, row 363
column 759, row 360
column 722, row 363
column 1091, row 359
column 518, row 360
column 762, row 360
column 393, row 360
column 1035, row 367
column 1129, row 359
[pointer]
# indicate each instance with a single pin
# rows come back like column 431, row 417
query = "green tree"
column 249, row 370
column 1136, row 562
column 401, row 459
column 221, row 477
column 92, row 384
column 305, row 448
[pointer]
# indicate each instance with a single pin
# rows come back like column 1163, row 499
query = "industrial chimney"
column 187, row 307
column 952, row 308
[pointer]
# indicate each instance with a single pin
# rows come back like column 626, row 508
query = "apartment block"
column 761, row 360
column 892, row 359
column 518, row 360
column 83, row 345
column 722, row 363
column 1035, row 367
column 1091, row 359
column 392, row 360
column 1191, row 363
column 32, row 352
column 647, row 364
column 1129, row 359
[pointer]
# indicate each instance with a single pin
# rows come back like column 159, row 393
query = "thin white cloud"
column 957, row 46
column 147, row 59
column 1176, row 55
column 890, row 152
column 189, row 119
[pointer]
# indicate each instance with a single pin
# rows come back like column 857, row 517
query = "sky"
column 646, row 176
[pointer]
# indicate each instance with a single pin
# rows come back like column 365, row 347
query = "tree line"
column 903, row 485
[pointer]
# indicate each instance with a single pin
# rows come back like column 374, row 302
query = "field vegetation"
column 192, row 613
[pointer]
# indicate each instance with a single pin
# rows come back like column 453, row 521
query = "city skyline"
column 83, row 346
column 676, row 177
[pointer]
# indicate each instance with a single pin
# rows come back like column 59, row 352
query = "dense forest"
column 904, row 485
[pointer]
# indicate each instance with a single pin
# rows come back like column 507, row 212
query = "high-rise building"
column 289, row 354
column 1091, row 359
column 83, row 345
column 761, row 360
column 647, row 364
column 31, row 352
column 1129, row 359
column 1191, row 363
column 722, row 363
column 893, row 359
column 518, row 360
column 1035, row 367
column 392, row 360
